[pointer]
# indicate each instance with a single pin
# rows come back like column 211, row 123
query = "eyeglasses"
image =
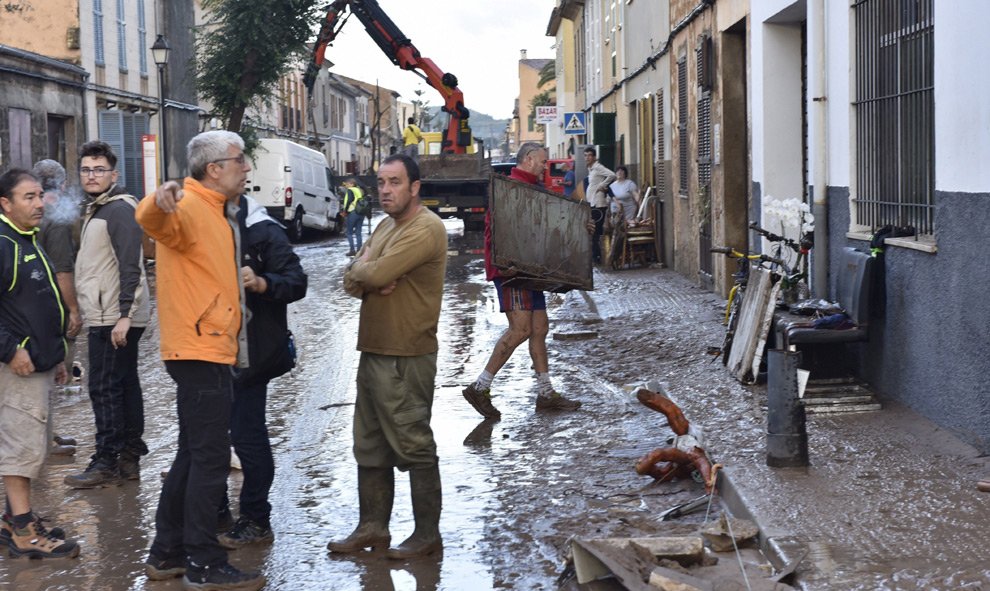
column 238, row 159
column 97, row 172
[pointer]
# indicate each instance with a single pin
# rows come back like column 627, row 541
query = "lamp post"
column 160, row 51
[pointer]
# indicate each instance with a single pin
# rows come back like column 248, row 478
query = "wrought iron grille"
column 895, row 148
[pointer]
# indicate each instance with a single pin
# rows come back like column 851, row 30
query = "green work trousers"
column 392, row 412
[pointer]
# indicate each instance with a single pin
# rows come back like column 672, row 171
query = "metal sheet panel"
column 540, row 235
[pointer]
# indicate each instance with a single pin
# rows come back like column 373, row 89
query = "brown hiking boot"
column 481, row 400
column 555, row 401
column 7, row 526
column 34, row 541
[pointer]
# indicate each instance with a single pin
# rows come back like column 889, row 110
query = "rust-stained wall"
column 45, row 27
column 726, row 199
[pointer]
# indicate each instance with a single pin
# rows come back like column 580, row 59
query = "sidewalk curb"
column 780, row 546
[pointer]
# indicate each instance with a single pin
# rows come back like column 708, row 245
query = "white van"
column 295, row 185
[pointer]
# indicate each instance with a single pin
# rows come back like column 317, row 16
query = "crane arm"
column 402, row 53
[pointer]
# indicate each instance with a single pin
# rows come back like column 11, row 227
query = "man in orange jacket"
column 200, row 307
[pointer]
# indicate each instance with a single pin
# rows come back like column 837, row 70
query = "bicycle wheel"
column 730, row 327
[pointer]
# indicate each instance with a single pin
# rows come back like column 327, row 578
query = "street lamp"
column 160, row 51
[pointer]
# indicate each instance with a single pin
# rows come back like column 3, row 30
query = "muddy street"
column 514, row 491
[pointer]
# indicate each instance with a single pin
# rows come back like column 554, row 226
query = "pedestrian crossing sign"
column 574, row 124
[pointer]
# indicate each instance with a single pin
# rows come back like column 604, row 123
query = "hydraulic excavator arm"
column 404, row 54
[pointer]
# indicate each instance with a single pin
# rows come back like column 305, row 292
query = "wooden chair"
column 639, row 243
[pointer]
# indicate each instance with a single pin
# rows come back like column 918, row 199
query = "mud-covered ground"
column 515, row 491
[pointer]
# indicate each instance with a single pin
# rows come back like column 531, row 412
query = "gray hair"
column 527, row 149
column 208, row 147
column 50, row 174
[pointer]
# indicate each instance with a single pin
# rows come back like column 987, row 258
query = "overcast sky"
column 476, row 40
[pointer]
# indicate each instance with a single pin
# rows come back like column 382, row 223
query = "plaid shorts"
column 513, row 298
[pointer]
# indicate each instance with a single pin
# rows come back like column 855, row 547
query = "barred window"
column 894, row 106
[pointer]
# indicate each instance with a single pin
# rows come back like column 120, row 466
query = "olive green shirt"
column 412, row 254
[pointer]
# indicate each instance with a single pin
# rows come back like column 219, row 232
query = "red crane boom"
column 404, row 54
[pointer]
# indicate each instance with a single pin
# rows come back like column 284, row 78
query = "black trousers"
column 249, row 434
column 115, row 391
column 186, row 520
column 598, row 215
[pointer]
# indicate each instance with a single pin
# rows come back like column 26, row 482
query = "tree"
column 548, row 73
column 246, row 46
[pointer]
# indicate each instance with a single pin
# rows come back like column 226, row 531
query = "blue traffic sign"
column 574, row 124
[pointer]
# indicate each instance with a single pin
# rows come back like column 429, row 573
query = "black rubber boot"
column 376, row 490
column 427, row 500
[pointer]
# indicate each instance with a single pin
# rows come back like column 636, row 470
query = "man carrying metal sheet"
column 526, row 311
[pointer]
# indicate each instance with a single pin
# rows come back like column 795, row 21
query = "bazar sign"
column 546, row 115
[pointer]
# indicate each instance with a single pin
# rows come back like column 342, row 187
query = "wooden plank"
column 541, row 236
column 754, row 325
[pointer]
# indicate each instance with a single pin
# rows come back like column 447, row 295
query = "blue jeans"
column 353, row 229
column 249, row 434
column 115, row 391
column 186, row 520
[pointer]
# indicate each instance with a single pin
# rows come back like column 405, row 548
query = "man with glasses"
column 200, row 309
column 115, row 302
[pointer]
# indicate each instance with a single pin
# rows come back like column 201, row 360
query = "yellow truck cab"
column 432, row 144
column 454, row 185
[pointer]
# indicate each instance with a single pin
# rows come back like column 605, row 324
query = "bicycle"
column 733, row 305
column 802, row 247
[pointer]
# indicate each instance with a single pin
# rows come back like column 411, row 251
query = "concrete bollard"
column 787, row 437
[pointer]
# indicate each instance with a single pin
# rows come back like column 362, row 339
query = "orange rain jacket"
column 198, row 289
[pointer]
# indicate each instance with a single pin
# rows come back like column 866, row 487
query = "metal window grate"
column 682, row 131
column 895, row 148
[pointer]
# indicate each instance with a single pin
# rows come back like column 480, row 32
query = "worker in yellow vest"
column 411, row 136
column 356, row 208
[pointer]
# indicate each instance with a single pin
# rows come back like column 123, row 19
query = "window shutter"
column 111, row 124
column 134, row 126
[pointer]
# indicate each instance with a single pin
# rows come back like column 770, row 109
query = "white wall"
column 644, row 31
column 962, row 109
column 760, row 11
column 781, row 130
column 838, row 88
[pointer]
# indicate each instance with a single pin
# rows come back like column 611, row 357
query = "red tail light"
column 288, row 196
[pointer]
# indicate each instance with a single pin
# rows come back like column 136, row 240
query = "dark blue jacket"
column 266, row 249
column 32, row 313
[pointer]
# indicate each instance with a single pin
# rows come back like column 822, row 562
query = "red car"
column 553, row 174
